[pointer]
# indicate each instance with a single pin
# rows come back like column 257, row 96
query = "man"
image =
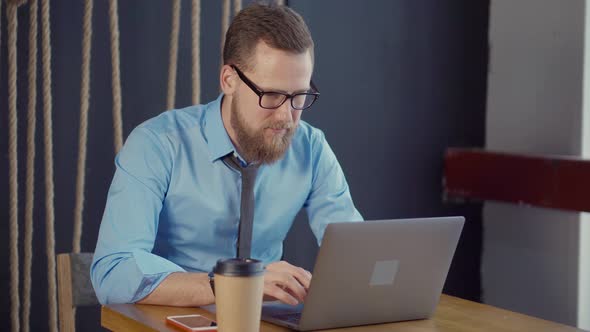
column 174, row 205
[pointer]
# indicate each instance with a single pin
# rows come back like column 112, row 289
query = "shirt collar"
column 217, row 137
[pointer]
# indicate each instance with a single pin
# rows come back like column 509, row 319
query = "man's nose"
column 285, row 112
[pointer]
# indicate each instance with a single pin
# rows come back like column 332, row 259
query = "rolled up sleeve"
column 124, row 270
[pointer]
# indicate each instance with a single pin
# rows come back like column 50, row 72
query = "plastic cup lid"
column 239, row 267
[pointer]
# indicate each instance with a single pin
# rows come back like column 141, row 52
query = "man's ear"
column 228, row 79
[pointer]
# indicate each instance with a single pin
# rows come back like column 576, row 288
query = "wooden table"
column 452, row 314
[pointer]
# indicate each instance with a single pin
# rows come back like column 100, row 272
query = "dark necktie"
column 246, row 204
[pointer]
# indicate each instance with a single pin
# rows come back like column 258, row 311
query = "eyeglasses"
column 274, row 100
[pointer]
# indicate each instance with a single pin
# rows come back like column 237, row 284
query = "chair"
column 73, row 287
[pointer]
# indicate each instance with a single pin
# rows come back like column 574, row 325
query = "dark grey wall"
column 400, row 80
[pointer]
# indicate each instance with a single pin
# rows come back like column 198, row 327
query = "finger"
column 267, row 297
column 294, row 287
column 302, row 276
column 280, row 294
column 276, row 266
column 286, row 283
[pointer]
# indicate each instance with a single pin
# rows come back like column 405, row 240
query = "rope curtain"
column 49, row 185
column 175, row 28
column 225, row 12
column 116, row 75
column 83, row 131
column 0, row 31
column 196, row 50
column 237, row 6
column 30, row 181
column 12, row 26
column 47, row 100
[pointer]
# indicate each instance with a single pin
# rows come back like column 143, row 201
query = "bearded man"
column 225, row 179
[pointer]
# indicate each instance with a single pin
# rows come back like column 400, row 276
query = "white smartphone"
column 192, row 323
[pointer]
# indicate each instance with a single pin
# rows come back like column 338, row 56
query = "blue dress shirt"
column 174, row 205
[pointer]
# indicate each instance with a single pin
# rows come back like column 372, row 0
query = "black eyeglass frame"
column 260, row 93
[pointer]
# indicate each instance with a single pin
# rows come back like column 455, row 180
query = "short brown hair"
column 278, row 26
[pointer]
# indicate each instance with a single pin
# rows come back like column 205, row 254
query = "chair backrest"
column 74, row 287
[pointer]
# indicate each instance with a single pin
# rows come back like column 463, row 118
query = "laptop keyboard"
column 291, row 318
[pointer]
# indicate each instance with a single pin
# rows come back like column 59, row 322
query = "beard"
column 254, row 146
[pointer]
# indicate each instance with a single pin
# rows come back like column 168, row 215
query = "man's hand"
column 286, row 283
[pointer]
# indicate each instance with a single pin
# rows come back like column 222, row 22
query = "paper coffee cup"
column 239, row 288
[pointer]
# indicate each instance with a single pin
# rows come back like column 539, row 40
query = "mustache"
column 281, row 125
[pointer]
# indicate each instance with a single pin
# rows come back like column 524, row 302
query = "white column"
column 584, row 239
column 531, row 256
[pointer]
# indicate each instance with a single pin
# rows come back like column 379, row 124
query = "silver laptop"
column 374, row 272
